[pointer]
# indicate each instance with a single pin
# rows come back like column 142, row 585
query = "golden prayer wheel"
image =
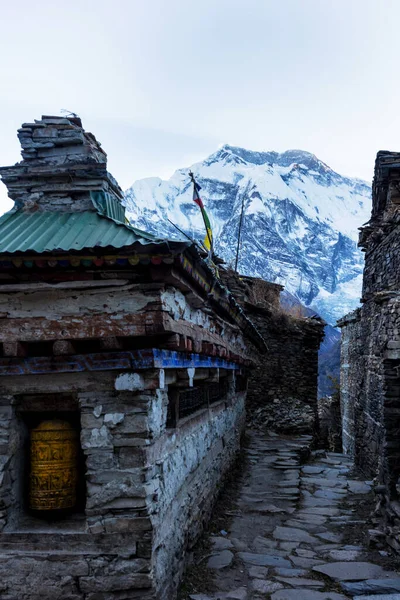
column 54, row 472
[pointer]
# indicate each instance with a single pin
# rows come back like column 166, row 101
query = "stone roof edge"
column 256, row 335
column 351, row 317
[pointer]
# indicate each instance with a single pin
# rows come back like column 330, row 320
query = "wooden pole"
column 239, row 234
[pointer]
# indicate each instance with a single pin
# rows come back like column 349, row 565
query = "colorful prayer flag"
column 208, row 240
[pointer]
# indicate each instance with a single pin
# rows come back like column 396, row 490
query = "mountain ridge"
column 300, row 223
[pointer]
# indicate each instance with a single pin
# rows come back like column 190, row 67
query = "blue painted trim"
column 112, row 361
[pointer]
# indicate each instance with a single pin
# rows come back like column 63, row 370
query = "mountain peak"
column 247, row 156
column 304, row 158
column 299, row 223
column 296, row 157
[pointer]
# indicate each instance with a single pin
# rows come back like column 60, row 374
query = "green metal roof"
column 108, row 206
column 22, row 231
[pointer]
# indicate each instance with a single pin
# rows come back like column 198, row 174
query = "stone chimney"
column 62, row 164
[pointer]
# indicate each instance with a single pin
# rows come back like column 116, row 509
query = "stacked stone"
column 282, row 392
column 380, row 238
column 125, row 347
column 61, row 164
column 252, row 289
column 370, row 355
column 58, row 139
column 294, row 531
column 286, row 388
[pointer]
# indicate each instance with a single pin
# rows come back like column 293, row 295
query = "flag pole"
column 191, row 175
column 239, row 235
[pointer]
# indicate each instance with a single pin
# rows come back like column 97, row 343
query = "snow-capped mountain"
column 299, row 225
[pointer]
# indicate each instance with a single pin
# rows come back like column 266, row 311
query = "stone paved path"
column 285, row 541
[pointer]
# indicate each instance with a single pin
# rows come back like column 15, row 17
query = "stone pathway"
column 285, row 541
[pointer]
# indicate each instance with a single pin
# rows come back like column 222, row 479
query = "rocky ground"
column 291, row 526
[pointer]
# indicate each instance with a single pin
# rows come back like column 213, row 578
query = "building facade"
column 282, row 393
column 370, row 353
column 123, row 375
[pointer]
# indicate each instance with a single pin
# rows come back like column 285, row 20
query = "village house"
column 124, row 365
column 370, row 352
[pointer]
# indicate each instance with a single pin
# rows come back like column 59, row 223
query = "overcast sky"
column 162, row 83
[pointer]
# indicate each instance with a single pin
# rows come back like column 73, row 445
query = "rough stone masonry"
column 282, row 391
column 370, row 354
column 132, row 342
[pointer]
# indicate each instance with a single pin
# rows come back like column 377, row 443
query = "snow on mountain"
column 299, row 227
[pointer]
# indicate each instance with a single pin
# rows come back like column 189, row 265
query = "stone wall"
column 192, row 460
column 286, row 379
column 370, row 353
column 149, row 489
column 105, row 548
column 350, row 357
column 134, row 345
column 283, row 387
column 371, row 337
column 370, row 395
column 380, row 272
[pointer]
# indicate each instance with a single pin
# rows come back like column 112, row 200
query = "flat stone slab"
column 331, row 473
column 291, row 534
column 310, row 470
column 377, row 586
column 301, row 582
column 379, row 597
column 260, row 549
column 321, row 510
column 304, row 594
column 310, row 527
column 350, row 571
column 330, row 494
column 359, row 487
column 261, row 541
column 260, row 572
column 221, row 560
column 238, row 594
column 291, row 572
column 311, row 502
column 266, row 508
column 289, row 546
column 330, row 537
column 305, row 553
column 306, row 563
column 330, row 461
column 311, row 519
column 263, row 560
column 239, row 545
column 344, row 555
column 329, row 483
column 221, row 543
column 265, row 587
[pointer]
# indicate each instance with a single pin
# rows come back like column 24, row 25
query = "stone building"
column 282, row 392
column 370, row 353
column 123, row 366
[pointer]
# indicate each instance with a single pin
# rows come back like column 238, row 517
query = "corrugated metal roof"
column 21, row 231
column 108, row 206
